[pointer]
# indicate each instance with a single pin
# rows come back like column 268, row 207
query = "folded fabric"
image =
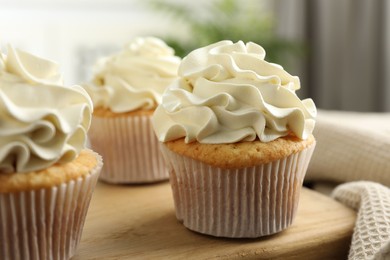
column 351, row 146
column 371, row 236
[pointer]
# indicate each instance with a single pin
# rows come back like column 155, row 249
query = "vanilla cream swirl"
column 42, row 122
column 135, row 78
column 228, row 93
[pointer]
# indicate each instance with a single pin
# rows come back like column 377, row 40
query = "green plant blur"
column 226, row 20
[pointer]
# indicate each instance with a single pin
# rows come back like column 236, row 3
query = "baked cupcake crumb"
column 241, row 154
column 103, row 112
column 52, row 176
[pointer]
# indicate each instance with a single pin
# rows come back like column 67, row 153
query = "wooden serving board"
column 138, row 222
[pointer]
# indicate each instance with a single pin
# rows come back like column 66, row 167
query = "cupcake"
column 126, row 89
column 46, row 175
column 237, row 141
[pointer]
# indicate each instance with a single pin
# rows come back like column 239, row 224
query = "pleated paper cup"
column 237, row 203
column 45, row 223
column 129, row 148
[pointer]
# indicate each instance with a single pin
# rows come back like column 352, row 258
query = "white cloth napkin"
column 352, row 147
column 371, row 236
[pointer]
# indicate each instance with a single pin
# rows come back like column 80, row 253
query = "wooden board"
column 138, row 222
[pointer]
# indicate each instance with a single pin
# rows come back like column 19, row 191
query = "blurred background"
column 339, row 49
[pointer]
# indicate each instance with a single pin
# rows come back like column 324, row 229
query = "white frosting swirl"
column 134, row 78
column 42, row 122
column 227, row 93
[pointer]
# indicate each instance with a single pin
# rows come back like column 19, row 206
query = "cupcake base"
column 238, row 203
column 45, row 223
column 129, row 148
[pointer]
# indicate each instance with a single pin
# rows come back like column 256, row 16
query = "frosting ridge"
column 135, row 78
column 227, row 93
column 42, row 122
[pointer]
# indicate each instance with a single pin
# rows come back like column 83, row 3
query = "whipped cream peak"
column 135, row 78
column 42, row 122
column 32, row 68
column 227, row 60
column 240, row 47
column 228, row 93
column 149, row 47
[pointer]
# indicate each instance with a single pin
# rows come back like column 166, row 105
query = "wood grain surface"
column 138, row 222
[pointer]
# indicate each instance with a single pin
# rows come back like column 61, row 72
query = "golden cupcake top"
column 134, row 78
column 241, row 154
column 87, row 162
column 226, row 93
column 42, row 122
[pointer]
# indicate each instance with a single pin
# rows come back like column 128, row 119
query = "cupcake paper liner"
column 246, row 202
column 45, row 223
column 129, row 148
